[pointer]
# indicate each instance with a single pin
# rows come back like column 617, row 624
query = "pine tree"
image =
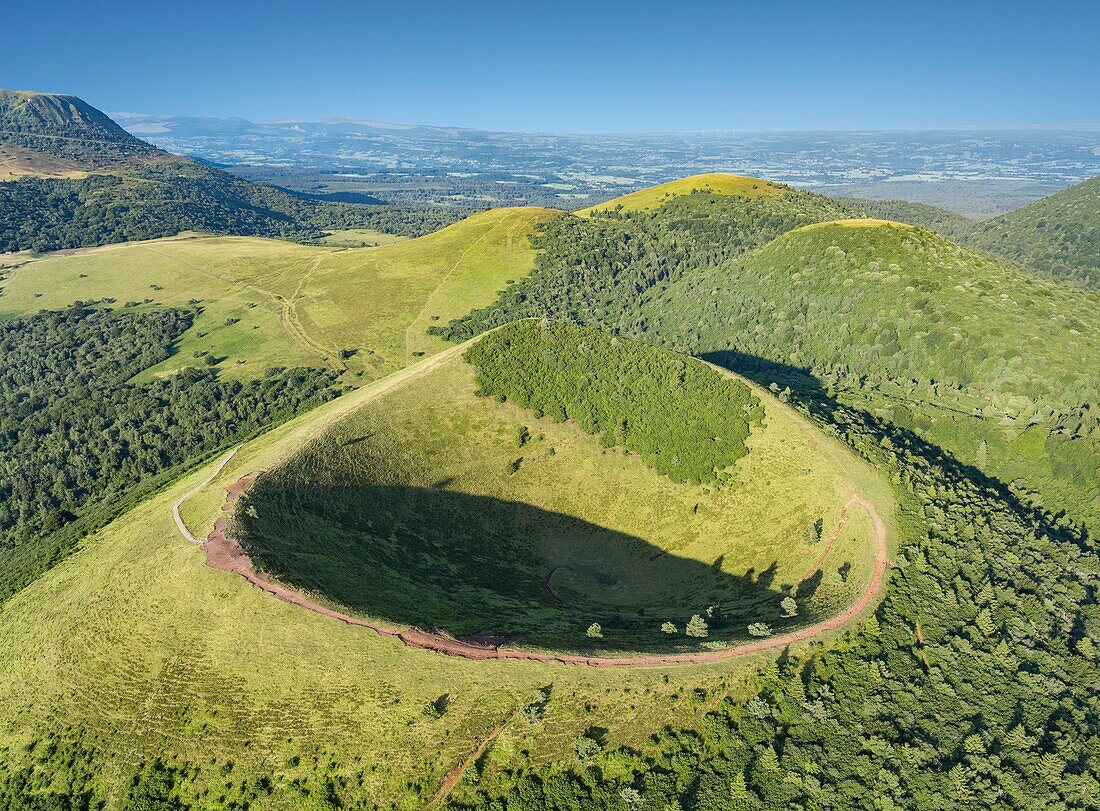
column 696, row 627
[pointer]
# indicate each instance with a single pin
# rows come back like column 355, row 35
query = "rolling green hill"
column 934, row 337
column 747, row 188
column 1059, row 236
column 70, row 177
column 1056, row 236
column 978, row 355
column 265, row 303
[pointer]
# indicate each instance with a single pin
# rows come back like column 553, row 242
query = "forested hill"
column 937, row 338
column 70, row 177
column 1058, row 236
column 68, row 128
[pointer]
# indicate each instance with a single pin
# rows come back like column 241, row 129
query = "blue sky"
column 570, row 67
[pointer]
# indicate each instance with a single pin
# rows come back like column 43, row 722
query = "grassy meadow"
column 271, row 303
column 360, row 238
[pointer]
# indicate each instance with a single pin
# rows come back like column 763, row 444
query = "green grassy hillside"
column 266, row 303
column 254, row 700
column 435, row 507
column 1059, row 236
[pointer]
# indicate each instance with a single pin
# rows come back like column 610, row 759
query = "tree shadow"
column 476, row 566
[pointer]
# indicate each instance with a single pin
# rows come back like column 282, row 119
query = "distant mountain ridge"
column 75, row 178
column 66, row 127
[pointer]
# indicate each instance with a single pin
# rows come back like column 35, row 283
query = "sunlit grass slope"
column 715, row 183
column 136, row 650
column 486, row 266
column 272, row 303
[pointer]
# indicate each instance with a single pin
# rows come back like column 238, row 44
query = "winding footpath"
column 225, row 553
column 182, row 527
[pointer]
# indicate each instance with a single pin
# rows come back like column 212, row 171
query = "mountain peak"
column 45, row 128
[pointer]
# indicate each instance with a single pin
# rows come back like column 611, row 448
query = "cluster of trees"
column 393, row 218
column 78, row 441
column 977, row 681
column 683, row 418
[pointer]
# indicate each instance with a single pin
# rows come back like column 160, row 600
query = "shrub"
column 696, row 627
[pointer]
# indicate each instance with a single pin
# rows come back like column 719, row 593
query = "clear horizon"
column 1083, row 126
column 638, row 68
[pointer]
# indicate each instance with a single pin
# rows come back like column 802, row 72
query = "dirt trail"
column 225, row 553
column 182, row 527
column 828, row 545
column 455, row 775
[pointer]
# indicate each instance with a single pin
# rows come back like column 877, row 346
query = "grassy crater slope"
column 438, row 508
column 132, row 649
column 1058, row 236
column 266, row 303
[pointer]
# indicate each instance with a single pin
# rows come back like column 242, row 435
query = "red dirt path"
column 225, row 553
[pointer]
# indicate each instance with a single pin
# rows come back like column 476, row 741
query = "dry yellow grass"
column 714, row 183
